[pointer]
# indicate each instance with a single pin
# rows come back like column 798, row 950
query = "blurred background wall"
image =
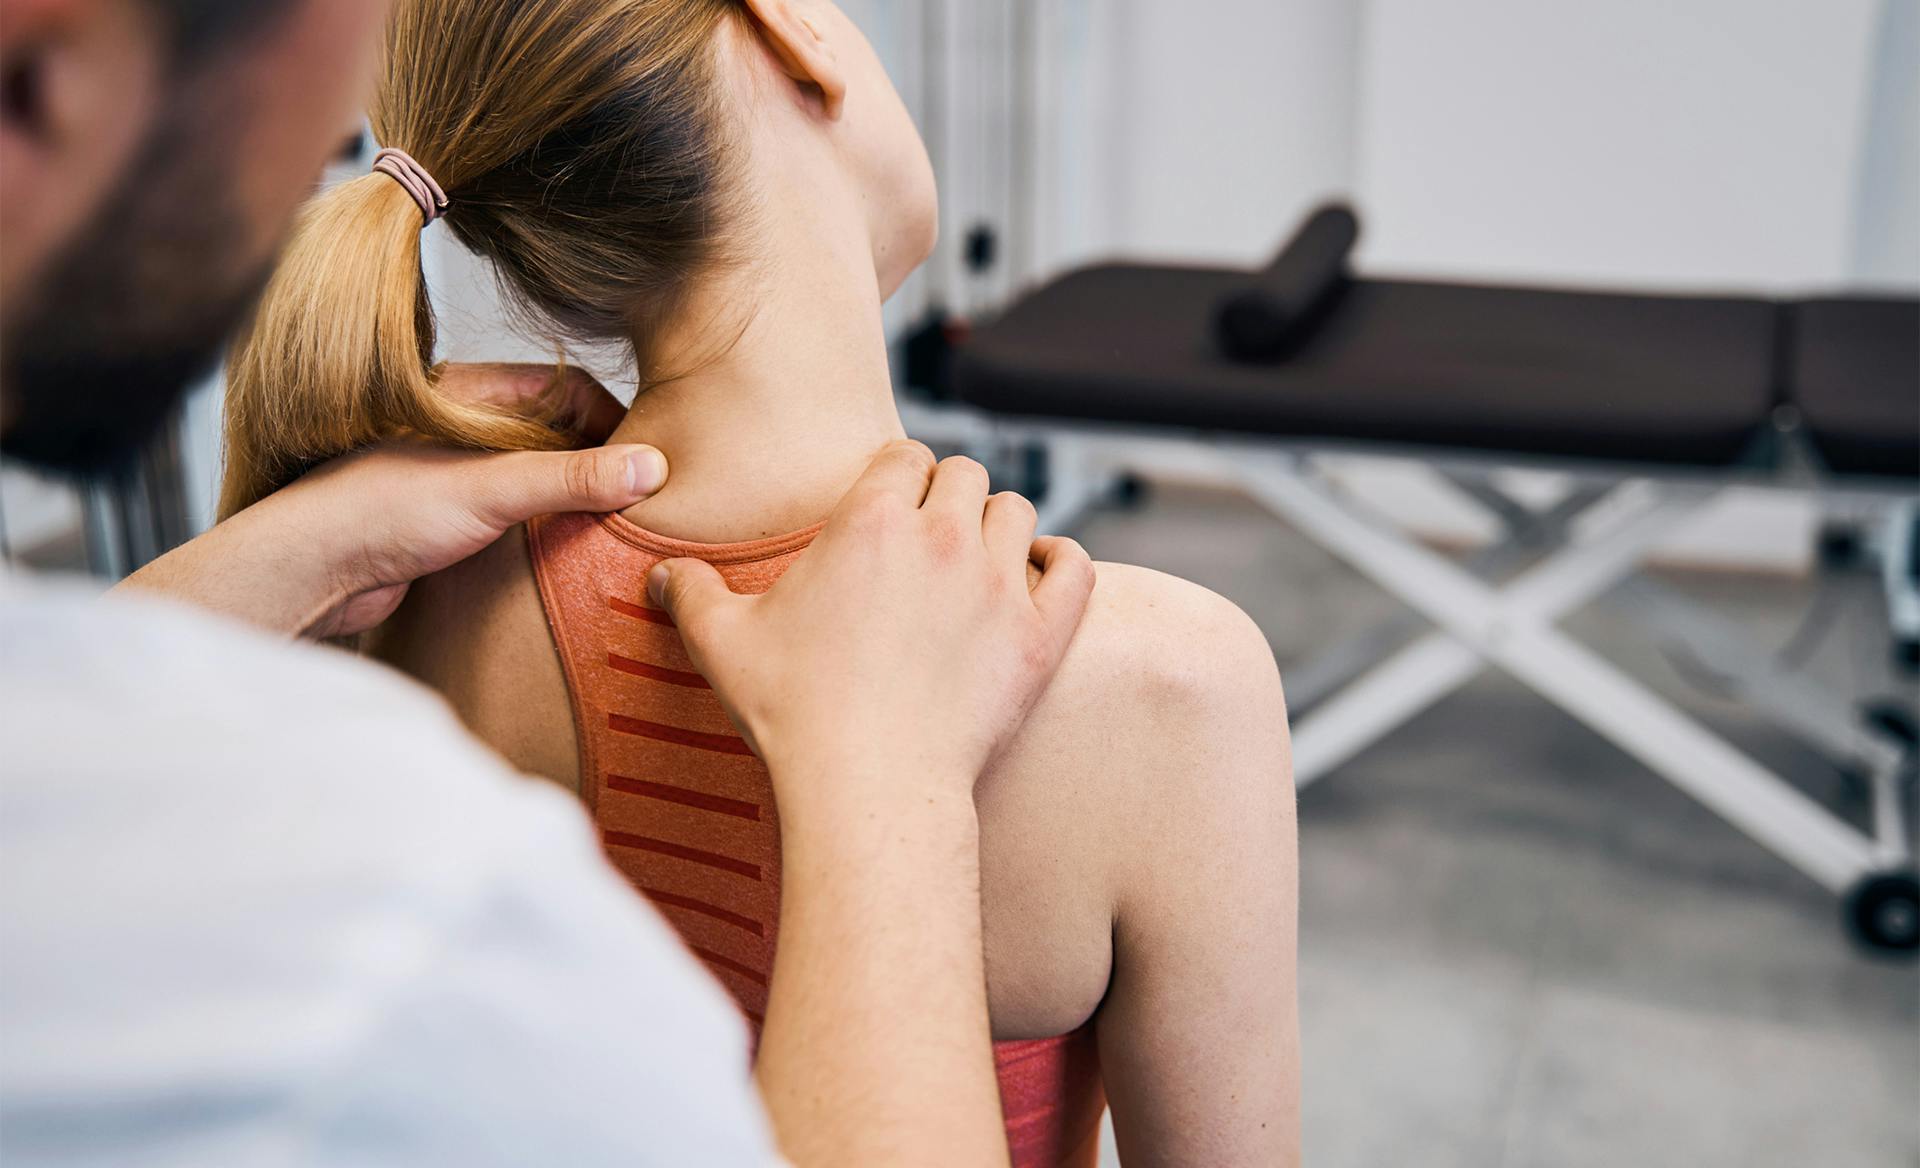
column 1711, row 144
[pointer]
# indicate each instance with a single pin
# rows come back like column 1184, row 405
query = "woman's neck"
column 764, row 435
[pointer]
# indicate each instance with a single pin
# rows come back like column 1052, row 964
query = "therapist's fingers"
column 582, row 406
column 513, row 488
column 1008, row 529
column 1065, row 586
column 959, row 487
column 694, row 594
column 896, row 478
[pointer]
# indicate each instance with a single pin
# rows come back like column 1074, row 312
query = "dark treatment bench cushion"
column 1602, row 376
column 1856, row 379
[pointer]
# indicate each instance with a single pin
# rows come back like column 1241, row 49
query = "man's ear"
column 798, row 42
column 78, row 87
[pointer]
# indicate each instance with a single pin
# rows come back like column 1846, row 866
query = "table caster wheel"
column 1883, row 913
column 1130, row 492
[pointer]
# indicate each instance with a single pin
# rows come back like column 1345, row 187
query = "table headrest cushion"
column 1276, row 308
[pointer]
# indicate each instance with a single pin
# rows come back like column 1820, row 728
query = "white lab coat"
column 266, row 904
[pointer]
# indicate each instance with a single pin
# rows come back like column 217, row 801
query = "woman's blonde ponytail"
column 339, row 354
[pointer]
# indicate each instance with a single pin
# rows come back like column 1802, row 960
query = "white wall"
column 1711, row 143
column 1236, row 116
column 34, row 509
column 1187, row 131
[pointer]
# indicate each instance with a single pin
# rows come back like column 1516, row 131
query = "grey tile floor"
column 1520, row 948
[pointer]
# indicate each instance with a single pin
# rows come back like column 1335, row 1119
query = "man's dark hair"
column 195, row 28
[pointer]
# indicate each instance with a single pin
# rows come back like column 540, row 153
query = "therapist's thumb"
column 519, row 486
column 694, row 595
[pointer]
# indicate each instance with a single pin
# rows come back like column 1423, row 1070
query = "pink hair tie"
column 414, row 179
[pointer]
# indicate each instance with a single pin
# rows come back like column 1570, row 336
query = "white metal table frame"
column 1589, row 543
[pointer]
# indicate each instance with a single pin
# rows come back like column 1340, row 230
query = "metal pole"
column 136, row 516
column 1024, row 165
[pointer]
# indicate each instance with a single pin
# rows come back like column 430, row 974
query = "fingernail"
column 646, row 470
column 657, row 584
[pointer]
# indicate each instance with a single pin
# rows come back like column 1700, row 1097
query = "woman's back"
column 686, row 813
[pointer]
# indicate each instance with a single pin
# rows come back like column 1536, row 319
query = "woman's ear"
column 798, row 42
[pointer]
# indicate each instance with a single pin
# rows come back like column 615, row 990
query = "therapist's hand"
column 334, row 553
column 906, row 635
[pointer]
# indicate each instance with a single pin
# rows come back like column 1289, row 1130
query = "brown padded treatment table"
column 1605, row 376
column 1852, row 373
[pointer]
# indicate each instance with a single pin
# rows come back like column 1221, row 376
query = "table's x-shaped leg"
column 1514, row 626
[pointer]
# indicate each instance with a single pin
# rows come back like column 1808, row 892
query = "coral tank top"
column 686, row 811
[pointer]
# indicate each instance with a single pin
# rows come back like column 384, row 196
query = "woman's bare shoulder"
column 477, row 632
column 1191, row 698
column 1168, row 703
column 1158, row 665
column 1158, row 653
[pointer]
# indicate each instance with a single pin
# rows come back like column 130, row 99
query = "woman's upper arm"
column 1198, row 1033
